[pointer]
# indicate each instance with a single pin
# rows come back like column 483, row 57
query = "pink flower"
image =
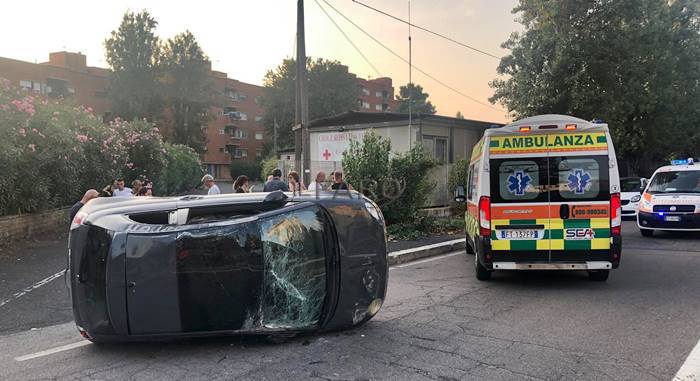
column 130, row 165
column 32, row 147
column 82, row 138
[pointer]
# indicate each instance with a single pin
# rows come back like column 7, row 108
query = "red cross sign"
column 326, row 154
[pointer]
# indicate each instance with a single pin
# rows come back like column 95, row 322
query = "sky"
column 247, row 38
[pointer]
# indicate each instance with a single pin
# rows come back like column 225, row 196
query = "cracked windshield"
column 350, row 190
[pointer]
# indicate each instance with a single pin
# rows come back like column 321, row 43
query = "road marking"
column 33, row 287
column 426, row 260
column 51, row 351
column 690, row 370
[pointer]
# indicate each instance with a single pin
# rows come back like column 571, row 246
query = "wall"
column 31, row 226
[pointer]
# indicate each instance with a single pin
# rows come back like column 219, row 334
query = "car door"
column 519, row 182
column 580, row 199
column 265, row 272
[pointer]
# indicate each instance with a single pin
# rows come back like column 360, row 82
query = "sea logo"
column 518, row 183
column 579, row 181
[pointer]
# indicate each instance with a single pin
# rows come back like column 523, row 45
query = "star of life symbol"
column 518, row 182
column 579, row 181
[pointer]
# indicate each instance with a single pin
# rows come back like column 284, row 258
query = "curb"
column 409, row 255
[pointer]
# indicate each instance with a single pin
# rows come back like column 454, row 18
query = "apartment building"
column 376, row 95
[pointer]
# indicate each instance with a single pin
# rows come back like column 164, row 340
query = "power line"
column 348, row 39
column 429, row 31
column 414, row 66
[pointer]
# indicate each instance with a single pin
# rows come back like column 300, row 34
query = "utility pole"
column 302, row 152
column 410, row 80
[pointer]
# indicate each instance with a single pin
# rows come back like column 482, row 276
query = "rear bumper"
column 688, row 221
column 592, row 265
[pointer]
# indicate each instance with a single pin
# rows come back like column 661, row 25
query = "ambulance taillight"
column 484, row 216
column 525, row 129
column 615, row 214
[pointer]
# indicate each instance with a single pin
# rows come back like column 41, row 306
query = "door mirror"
column 643, row 185
column 460, row 194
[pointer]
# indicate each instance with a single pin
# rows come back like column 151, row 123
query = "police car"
column 544, row 194
column 671, row 200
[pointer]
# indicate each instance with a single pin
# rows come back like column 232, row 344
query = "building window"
column 221, row 149
column 243, row 115
column 258, row 119
column 258, row 136
column 436, row 147
column 378, row 94
column 239, row 152
column 365, row 104
column 258, row 153
column 27, row 85
column 222, row 131
column 378, row 107
column 365, row 91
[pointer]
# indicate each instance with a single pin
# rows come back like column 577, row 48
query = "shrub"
column 248, row 168
column 458, row 176
column 399, row 185
column 52, row 151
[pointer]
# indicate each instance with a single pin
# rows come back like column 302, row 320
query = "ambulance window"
column 473, row 181
column 579, row 178
column 519, row 180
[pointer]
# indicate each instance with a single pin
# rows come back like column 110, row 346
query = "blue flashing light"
column 679, row 162
column 661, row 213
column 597, row 120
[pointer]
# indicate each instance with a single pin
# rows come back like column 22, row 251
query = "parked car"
column 630, row 193
column 251, row 263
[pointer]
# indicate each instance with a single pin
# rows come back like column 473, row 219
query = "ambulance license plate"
column 672, row 218
column 519, row 234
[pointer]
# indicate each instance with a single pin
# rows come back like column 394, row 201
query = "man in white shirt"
column 208, row 181
column 122, row 191
column 317, row 184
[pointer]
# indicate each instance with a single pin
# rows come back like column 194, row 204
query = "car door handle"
column 564, row 211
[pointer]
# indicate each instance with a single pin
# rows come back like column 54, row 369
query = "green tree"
column 332, row 90
column 635, row 64
column 132, row 52
column 419, row 100
column 188, row 92
column 459, row 115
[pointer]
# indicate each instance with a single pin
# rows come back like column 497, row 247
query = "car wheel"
column 468, row 246
column 599, row 275
column 482, row 273
column 647, row 232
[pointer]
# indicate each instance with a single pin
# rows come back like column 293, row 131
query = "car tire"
column 647, row 232
column 468, row 246
column 482, row 273
column 599, row 275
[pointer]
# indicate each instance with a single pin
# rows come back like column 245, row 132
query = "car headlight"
column 636, row 198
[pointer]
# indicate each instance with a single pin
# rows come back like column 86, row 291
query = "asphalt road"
column 438, row 323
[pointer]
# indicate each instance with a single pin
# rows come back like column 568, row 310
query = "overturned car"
column 258, row 263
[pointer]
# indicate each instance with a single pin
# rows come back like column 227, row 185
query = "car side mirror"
column 643, row 185
column 460, row 194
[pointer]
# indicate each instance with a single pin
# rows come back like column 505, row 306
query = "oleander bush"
column 51, row 151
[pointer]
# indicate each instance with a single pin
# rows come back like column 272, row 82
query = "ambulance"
column 671, row 200
column 543, row 193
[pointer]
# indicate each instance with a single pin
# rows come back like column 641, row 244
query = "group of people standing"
column 275, row 182
column 118, row 188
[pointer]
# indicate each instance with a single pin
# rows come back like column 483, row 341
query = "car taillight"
column 484, row 216
column 615, row 214
column 78, row 220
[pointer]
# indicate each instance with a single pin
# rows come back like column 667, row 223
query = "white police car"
column 671, row 200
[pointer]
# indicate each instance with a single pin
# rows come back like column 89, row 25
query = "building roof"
column 359, row 117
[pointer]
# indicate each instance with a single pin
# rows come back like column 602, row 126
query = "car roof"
column 672, row 168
